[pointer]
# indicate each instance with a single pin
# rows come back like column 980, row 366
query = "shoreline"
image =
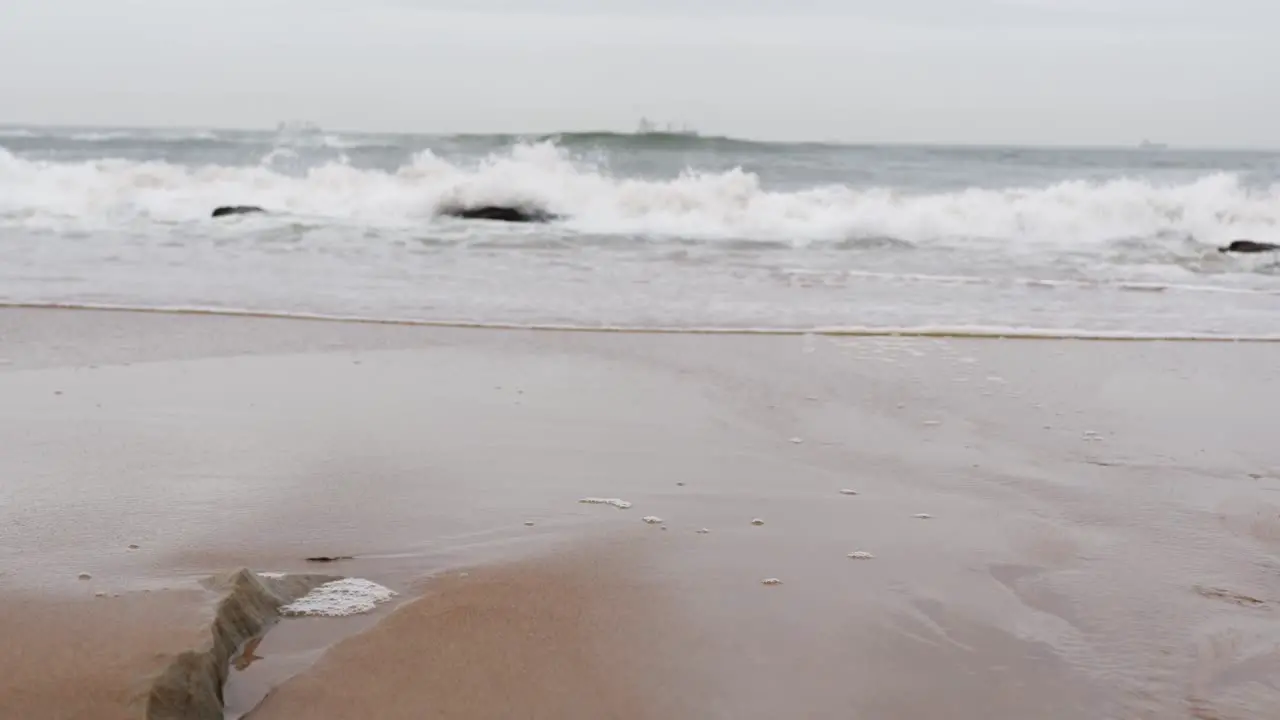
column 944, row 332
column 1101, row 535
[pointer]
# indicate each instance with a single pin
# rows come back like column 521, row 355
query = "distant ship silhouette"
column 1148, row 145
column 648, row 127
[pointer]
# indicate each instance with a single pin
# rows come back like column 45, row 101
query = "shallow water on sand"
column 1101, row 539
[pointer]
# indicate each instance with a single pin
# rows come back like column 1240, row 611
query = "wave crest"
column 734, row 205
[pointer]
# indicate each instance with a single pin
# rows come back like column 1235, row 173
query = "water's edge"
column 977, row 332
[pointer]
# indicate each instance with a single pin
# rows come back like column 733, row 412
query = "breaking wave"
column 733, row 205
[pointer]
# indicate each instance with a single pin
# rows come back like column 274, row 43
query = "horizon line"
column 834, row 142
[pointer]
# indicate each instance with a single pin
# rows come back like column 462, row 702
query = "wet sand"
column 66, row 659
column 1103, row 539
column 580, row 634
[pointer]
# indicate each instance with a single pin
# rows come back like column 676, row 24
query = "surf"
column 729, row 206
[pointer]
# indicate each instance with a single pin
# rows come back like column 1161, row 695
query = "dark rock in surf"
column 236, row 210
column 1249, row 246
column 502, row 213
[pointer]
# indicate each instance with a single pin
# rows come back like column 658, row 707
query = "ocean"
column 658, row 231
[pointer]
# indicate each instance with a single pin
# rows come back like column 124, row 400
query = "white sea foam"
column 687, row 251
column 349, row 596
column 100, row 136
column 710, row 206
column 616, row 502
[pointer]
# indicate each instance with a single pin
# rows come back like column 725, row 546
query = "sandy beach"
column 1051, row 529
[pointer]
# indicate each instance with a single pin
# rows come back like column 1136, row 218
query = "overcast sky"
column 1189, row 72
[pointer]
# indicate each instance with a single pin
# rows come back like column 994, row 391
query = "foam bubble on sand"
column 349, row 596
column 860, row 555
column 923, row 516
column 620, row 504
column 847, row 491
column 771, row 581
column 757, row 521
column 274, row 575
column 653, row 520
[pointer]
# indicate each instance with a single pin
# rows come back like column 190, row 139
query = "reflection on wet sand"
column 1080, row 530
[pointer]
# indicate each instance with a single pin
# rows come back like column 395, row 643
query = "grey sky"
column 1190, row 72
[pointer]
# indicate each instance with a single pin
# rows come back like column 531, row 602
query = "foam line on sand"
column 956, row 332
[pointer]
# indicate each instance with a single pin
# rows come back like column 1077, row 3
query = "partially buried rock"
column 236, row 210
column 85, row 576
column 190, row 687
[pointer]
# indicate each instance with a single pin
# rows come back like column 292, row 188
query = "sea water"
column 659, row 231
